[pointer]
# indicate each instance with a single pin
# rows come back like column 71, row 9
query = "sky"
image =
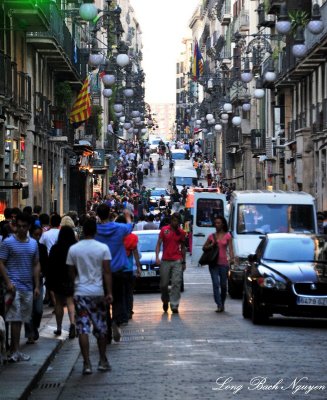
column 164, row 23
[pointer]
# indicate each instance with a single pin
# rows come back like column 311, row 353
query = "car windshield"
column 155, row 142
column 158, row 192
column 147, row 242
column 181, row 180
column 178, row 156
column 266, row 218
column 290, row 249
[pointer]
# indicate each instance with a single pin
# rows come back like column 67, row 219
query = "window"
column 266, row 218
column 207, row 211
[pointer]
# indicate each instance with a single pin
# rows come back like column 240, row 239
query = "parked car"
column 150, row 272
column 286, row 275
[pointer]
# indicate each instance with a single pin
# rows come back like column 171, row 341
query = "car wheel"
column 258, row 316
column 233, row 291
column 246, row 310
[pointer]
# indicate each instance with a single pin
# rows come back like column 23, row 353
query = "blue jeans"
column 219, row 283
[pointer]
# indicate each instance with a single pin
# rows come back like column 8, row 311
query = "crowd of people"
column 87, row 262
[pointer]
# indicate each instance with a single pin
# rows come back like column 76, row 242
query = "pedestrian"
column 50, row 236
column 172, row 264
column 219, row 269
column 20, row 268
column 112, row 234
column 58, row 279
column 130, row 244
column 32, row 328
column 89, row 268
column 151, row 166
column 139, row 176
column 159, row 166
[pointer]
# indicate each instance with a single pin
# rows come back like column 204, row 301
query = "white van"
column 207, row 205
column 254, row 213
column 184, row 176
column 153, row 144
column 188, row 164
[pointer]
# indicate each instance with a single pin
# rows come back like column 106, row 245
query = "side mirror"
column 252, row 258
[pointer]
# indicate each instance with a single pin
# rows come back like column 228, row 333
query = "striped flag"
column 197, row 66
column 81, row 110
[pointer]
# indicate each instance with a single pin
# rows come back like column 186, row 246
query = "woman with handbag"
column 219, row 268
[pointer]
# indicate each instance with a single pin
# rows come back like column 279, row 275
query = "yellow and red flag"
column 81, row 110
column 197, row 66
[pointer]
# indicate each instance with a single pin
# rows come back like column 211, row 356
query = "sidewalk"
column 17, row 379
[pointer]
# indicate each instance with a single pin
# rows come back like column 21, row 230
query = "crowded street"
column 194, row 354
column 163, row 199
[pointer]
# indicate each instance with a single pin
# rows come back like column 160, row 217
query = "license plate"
column 148, row 273
column 311, row 301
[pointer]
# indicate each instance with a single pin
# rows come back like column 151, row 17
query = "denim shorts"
column 91, row 310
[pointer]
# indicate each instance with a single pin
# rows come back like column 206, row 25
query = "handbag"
column 210, row 255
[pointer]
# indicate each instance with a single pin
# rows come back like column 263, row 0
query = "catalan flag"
column 81, row 110
column 197, row 66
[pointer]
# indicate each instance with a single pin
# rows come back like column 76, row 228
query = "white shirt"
column 49, row 238
column 87, row 256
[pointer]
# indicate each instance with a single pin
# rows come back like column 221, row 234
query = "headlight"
column 271, row 283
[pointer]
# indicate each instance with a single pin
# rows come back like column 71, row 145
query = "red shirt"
column 172, row 243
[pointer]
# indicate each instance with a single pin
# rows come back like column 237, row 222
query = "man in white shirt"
column 50, row 237
column 89, row 267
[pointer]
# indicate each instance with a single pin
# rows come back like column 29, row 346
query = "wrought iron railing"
column 60, row 34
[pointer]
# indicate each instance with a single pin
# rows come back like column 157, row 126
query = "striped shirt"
column 19, row 258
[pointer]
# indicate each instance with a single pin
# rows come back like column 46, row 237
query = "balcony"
column 5, row 76
column 59, row 47
column 264, row 19
column 242, row 22
column 258, row 141
column 29, row 15
column 297, row 69
column 232, row 136
column 42, row 119
column 224, row 14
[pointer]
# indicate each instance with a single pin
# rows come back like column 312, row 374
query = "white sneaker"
column 116, row 332
column 18, row 356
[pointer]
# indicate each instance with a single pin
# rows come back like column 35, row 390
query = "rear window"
column 208, row 210
column 266, row 218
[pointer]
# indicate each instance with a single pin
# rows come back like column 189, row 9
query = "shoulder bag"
column 210, row 255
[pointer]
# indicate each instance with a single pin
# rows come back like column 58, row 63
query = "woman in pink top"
column 219, row 269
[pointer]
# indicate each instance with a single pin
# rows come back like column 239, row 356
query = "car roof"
column 147, row 232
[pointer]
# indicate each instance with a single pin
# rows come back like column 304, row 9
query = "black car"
column 287, row 275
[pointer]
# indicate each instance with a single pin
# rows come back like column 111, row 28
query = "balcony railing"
column 5, row 75
column 42, row 116
column 242, row 21
column 232, row 136
column 311, row 39
column 15, row 84
column 60, row 38
column 258, row 141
